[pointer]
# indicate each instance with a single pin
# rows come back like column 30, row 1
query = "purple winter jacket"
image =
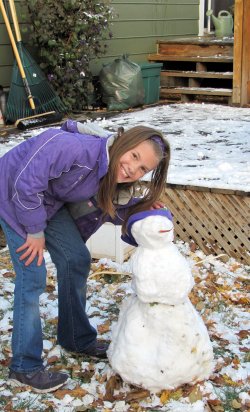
column 43, row 173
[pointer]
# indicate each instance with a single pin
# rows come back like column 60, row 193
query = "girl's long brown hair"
column 109, row 189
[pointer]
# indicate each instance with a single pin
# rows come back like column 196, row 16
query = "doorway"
column 205, row 23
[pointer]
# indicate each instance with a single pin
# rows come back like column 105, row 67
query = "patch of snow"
column 239, row 373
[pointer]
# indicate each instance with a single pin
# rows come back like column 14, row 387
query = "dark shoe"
column 98, row 351
column 42, row 381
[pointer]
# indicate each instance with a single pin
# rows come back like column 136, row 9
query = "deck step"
column 197, row 74
column 195, row 91
column 197, row 68
column 206, row 59
column 200, row 47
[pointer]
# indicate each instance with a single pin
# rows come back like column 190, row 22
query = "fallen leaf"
column 244, row 349
column 235, row 404
column 243, row 334
column 50, row 405
column 113, row 383
column 195, row 395
column 53, row 321
column 193, row 247
column 176, row 394
column 9, row 275
column 50, row 288
column 210, row 323
column 217, row 380
column 218, row 408
column 85, row 376
column 75, row 393
column 52, row 296
column 134, row 406
column 165, row 395
column 236, row 363
column 52, row 359
column 6, row 350
column 217, row 336
column 5, row 362
column 104, row 327
column 218, row 367
column 214, row 402
column 234, row 267
column 186, row 390
column 101, row 378
column 200, row 305
column 135, row 395
column 208, row 408
column 229, row 381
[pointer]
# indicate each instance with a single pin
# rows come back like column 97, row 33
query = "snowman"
column 160, row 341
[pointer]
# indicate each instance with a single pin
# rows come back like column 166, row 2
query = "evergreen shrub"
column 68, row 34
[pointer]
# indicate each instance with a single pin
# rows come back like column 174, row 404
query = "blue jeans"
column 72, row 260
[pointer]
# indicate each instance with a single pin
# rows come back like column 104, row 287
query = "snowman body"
column 161, row 275
column 160, row 340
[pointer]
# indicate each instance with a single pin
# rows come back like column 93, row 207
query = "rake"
column 32, row 102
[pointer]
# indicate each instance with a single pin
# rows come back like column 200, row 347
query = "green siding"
column 139, row 24
column 136, row 28
column 148, row 29
column 6, row 53
column 153, row 11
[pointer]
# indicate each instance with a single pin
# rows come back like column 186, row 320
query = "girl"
column 56, row 190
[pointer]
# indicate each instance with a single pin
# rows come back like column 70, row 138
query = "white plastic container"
column 106, row 242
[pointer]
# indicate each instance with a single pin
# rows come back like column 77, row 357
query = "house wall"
column 6, row 53
column 136, row 28
column 139, row 24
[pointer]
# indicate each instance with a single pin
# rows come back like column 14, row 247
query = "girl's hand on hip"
column 157, row 205
column 33, row 248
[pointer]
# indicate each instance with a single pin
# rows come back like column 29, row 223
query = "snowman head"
column 153, row 232
column 151, row 228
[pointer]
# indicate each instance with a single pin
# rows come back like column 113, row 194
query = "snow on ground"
column 220, row 295
column 210, row 143
column 210, row 147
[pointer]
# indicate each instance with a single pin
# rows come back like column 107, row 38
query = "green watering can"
column 223, row 23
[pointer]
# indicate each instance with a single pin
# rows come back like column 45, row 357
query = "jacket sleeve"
column 90, row 128
column 122, row 211
column 51, row 154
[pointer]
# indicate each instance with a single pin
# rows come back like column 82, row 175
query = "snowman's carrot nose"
column 165, row 231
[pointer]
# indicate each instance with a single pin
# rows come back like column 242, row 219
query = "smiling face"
column 135, row 163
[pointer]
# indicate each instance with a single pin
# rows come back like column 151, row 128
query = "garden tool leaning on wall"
column 31, row 102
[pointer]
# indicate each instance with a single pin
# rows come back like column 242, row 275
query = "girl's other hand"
column 33, row 248
column 157, row 205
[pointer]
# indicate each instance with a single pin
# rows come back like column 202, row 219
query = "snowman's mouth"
column 164, row 231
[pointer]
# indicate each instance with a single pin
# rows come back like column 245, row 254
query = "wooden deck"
column 196, row 46
column 195, row 68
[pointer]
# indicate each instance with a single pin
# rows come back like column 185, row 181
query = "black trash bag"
column 122, row 84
